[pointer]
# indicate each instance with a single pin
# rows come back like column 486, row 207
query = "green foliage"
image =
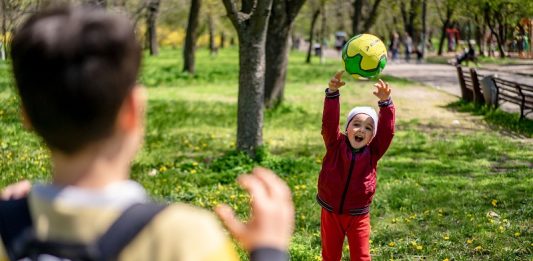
column 442, row 192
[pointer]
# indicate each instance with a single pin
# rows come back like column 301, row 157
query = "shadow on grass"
column 508, row 124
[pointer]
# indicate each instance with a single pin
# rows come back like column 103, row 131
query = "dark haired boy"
column 75, row 71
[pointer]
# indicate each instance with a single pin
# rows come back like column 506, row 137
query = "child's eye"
column 368, row 128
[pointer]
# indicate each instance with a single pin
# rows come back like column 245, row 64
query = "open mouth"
column 358, row 138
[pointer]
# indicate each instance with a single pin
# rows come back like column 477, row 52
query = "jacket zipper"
column 352, row 163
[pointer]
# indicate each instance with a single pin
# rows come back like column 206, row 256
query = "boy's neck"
column 94, row 167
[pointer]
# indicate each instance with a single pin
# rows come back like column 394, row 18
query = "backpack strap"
column 126, row 228
column 15, row 218
column 107, row 247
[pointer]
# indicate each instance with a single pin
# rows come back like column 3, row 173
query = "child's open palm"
column 383, row 90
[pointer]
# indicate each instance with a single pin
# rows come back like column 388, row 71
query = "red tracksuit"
column 347, row 182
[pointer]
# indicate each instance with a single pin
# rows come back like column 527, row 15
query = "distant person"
column 347, row 180
column 394, row 45
column 408, row 43
column 75, row 71
column 469, row 54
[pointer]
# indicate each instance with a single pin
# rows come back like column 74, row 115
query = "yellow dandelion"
column 469, row 241
column 162, row 169
column 392, row 244
column 494, row 202
column 517, row 234
column 446, row 237
column 347, row 247
column 370, row 241
column 193, row 171
column 232, row 196
column 446, row 259
column 419, row 247
column 318, row 258
column 195, row 163
column 302, row 217
column 478, row 248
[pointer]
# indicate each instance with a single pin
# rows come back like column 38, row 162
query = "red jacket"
column 347, row 180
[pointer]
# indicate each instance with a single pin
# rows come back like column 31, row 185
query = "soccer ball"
column 364, row 56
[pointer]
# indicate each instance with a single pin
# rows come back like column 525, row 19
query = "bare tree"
column 277, row 48
column 251, row 24
column 190, row 38
column 151, row 25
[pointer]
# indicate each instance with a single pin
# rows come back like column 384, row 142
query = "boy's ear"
column 131, row 113
column 25, row 119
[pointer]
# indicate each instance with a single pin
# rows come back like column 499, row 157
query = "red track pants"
column 335, row 227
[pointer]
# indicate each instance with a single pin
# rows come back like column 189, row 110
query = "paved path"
column 440, row 76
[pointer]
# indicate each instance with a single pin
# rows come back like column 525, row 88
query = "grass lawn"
column 448, row 188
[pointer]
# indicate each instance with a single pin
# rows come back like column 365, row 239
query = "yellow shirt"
column 180, row 232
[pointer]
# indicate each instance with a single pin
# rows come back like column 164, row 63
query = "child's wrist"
column 385, row 103
column 331, row 90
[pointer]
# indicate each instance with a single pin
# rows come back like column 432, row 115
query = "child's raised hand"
column 383, row 90
column 335, row 83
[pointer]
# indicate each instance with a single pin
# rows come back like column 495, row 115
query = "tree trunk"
column 424, row 28
column 251, row 24
column 488, row 17
column 372, row 17
column 151, row 20
column 211, row 29
column 190, row 38
column 442, row 36
column 4, row 31
column 222, row 40
column 322, row 38
column 357, row 7
column 311, row 35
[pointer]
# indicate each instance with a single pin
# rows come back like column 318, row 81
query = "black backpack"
column 16, row 231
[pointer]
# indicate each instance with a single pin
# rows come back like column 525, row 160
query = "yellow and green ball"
column 364, row 56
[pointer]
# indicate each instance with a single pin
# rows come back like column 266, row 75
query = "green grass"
column 442, row 193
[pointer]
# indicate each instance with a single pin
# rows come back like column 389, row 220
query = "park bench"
column 516, row 93
column 519, row 94
column 470, row 87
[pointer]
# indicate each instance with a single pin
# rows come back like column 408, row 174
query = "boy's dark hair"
column 73, row 68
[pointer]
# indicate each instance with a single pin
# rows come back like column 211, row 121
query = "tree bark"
column 277, row 49
column 151, row 20
column 4, row 30
column 190, row 39
column 357, row 7
column 211, row 29
column 442, row 36
column 424, row 28
column 251, row 24
column 311, row 35
column 372, row 17
column 488, row 17
column 222, row 40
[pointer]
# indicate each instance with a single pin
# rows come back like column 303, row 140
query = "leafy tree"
column 251, row 24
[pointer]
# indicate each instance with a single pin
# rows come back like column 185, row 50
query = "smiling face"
column 360, row 130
